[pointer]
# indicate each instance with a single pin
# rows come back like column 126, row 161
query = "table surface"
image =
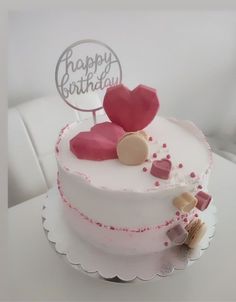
column 38, row 273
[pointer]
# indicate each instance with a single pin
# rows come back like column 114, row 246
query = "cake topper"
column 86, row 66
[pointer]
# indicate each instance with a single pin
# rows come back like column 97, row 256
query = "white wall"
column 190, row 57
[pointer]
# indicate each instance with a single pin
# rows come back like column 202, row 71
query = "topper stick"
column 94, row 117
column 77, row 115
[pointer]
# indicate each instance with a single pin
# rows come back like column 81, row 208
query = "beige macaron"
column 185, row 202
column 132, row 148
column 196, row 230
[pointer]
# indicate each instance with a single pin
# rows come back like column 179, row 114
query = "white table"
column 38, row 273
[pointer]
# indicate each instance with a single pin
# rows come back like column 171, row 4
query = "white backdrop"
column 189, row 56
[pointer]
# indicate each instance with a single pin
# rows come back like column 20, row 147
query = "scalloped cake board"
column 82, row 255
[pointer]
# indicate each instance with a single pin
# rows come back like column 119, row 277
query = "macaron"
column 132, row 148
column 196, row 230
column 185, row 202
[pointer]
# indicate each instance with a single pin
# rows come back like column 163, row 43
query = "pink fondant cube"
column 177, row 234
column 203, row 200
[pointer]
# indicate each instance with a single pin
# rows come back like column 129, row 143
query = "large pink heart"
column 97, row 144
column 132, row 110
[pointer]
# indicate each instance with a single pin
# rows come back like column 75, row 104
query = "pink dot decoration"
column 177, row 213
column 196, row 215
column 157, row 183
column 180, row 165
column 185, row 220
column 168, row 156
column 144, row 169
column 166, row 243
column 192, row 174
column 154, row 155
column 150, row 138
column 199, row 187
column 164, row 145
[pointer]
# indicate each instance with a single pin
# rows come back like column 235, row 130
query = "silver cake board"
column 116, row 268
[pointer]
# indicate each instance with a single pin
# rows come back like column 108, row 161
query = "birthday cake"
column 134, row 182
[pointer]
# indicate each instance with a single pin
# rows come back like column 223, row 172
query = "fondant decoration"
column 203, row 200
column 177, row 234
column 97, row 144
column 168, row 156
column 164, row 145
column 199, row 187
column 161, row 168
column 192, row 174
column 132, row 149
column 132, row 110
column 154, row 155
column 196, row 230
column 144, row 169
column 185, row 202
column 180, row 165
column 150, row 138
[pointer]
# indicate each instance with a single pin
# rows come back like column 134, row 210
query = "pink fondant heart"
column 132, row 110
column 161, row 168
column 97, row 144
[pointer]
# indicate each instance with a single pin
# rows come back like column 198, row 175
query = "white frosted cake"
column 134, row 191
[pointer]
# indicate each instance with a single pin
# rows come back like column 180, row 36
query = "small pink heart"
column 161, row 168
column 97, row 144
column 132, row 110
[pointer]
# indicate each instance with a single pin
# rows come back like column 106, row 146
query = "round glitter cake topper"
column 86, row 66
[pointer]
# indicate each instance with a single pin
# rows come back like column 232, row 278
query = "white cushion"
column 33, row 129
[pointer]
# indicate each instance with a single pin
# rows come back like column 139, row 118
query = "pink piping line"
column 113, row 228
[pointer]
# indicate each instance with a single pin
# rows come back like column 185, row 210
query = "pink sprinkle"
column 150, row 138
column 166, row 243
column 192, row 174
column 177, row 213
column 168, row 156
column 199, row 187
column 180, row 165
column 154, row 155
column 112, row 228
column 164, row 145
column 144, row 169
column 157, row 183
column 196, row 215
column 185, row 220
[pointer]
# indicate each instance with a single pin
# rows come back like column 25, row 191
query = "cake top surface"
column 179, row 141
